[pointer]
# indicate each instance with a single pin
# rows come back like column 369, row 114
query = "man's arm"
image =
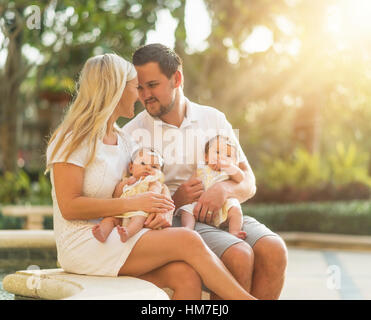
column 213, row 199
column 188, row 192
column 243, row 190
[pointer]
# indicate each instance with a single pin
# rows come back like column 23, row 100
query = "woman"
column 87, row 158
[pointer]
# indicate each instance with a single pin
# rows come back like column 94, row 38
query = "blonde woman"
column 87, row 157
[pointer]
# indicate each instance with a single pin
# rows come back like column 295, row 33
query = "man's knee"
column 239, row 259
column 271, row 250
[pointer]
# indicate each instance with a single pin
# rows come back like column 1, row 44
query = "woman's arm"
column 68, row 183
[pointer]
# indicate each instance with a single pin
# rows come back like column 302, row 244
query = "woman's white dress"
column 78, row 250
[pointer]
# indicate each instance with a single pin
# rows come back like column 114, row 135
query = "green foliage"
column 17, row 188
column 349, row 165
column 304, row 170
column 63, row 35
column 57, row 84
column 10, row 222
column 352, row 217
column 14, row 187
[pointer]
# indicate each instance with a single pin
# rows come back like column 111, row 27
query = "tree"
column 279, row 97
column 65, row 34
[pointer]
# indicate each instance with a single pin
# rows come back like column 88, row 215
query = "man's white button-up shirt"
column 184, row 147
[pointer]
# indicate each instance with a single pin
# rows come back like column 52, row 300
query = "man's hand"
column 188, row 192
column 209, row 203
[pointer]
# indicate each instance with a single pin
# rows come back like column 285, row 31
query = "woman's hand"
column 160, row 220
column 151, row 202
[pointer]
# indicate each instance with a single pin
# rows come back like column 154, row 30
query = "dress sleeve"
column 78, row 157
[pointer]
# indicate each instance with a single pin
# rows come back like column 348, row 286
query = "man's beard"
column 163, row 109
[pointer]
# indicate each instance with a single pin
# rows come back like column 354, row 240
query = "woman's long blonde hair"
column 100, row 88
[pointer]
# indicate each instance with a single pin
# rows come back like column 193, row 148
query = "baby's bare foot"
column 123, row 232
column 98, row 234
column 240, row 234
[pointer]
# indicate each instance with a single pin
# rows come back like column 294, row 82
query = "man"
column 177, row 128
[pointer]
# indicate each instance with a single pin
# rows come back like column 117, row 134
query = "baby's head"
column 220, row 148
column 145, row 161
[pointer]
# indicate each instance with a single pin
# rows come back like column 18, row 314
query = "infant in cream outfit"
column 221, row 164
column 146, row 175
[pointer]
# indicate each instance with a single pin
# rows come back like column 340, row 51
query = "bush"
column 328, row 192
column 341, row 175
column 10, row 222
column 18, row 188
column 352, row 217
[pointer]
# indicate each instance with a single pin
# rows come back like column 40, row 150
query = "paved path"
column 320, row 274
column 327, row 275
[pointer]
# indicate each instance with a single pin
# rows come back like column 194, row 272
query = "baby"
column 221, row 164
column 145, row 175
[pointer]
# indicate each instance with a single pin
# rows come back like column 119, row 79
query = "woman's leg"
column 178, row 276
column 159, row 247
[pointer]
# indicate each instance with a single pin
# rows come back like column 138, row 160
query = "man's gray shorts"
column 220, row 240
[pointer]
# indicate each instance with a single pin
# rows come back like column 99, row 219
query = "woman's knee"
column 189, row 238
column 182, row 275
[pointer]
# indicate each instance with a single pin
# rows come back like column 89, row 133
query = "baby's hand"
column 120, row 186
column 227, row 167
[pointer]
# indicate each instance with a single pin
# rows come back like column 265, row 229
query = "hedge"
column 352, row 217
column 10, row 223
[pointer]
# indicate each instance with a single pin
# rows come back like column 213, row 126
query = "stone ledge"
column 26, row 210
column 45, row 239
column 27, row 239
column 326, row 241
column 55, row 284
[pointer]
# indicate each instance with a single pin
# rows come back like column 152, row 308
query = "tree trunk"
column 10, row 112
column 306, row 131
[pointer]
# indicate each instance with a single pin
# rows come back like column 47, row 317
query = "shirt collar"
column 190, row 116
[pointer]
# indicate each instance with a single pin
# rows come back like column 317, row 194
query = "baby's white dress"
column 77, row 249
